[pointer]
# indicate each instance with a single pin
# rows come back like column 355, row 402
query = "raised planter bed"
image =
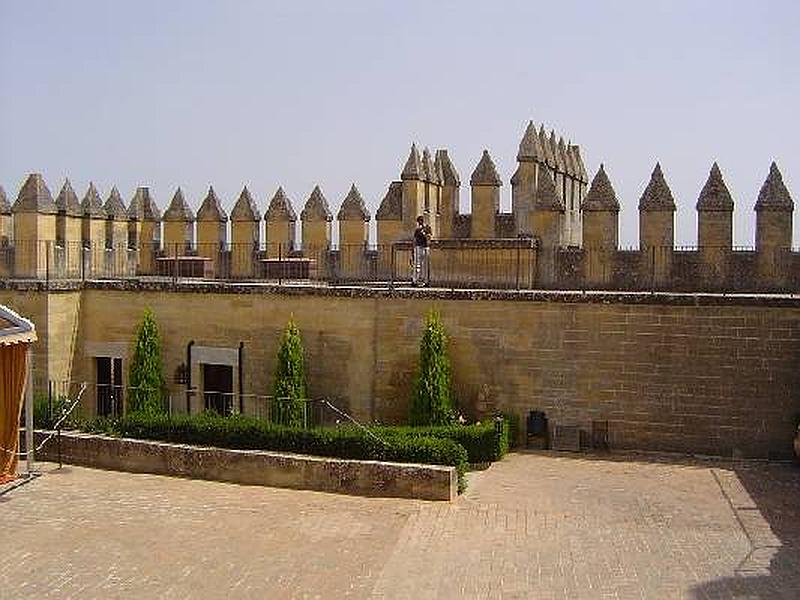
column 255, row 467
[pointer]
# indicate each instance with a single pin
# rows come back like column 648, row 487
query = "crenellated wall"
column 571, row 229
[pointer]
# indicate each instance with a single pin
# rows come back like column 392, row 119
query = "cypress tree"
column 431, row 403
column 289, row 388
column 146, row 380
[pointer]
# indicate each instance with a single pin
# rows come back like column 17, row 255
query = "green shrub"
column 431, row 403
column 210, row 429
column 147, row 392
column 480, row 440
column 47, row 411
column 512, row 423
column 289, row 388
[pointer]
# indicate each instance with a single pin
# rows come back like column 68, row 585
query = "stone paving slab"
column 537, row 525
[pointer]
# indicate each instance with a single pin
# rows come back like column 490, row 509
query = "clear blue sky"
column 297, row 93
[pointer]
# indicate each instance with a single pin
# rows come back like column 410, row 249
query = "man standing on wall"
column 422, row 236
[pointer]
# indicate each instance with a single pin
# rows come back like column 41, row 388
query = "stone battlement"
column 562, row 231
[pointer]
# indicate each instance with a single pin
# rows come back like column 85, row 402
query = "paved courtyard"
column 532, row 526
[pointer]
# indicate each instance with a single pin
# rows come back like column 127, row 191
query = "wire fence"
column 516, row 263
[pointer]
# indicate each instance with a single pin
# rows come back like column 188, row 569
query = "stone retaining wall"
column 255, row 467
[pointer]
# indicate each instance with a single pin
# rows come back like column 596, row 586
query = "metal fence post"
column 391, row 268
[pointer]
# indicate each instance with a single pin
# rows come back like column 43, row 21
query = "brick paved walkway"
column 532, row 526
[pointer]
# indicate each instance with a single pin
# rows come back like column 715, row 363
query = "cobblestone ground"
column 532, row 526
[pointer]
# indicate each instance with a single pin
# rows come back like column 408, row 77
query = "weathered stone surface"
column 211, row 208
column 178, row 209
column 773, row 195
column 143, row 206
column 530, row 147
column 580, row 167
column 353, row 207
column 413, row 167
column 549, row 157
column 245, row 208
column 715, row 195
column 657, row 196
column 92, row 204
column 449, row 174
column 67, row 201
column 428, row 168
column 115, row 207
column 601, row 195
column 280, row 208
column 259, row 467
column 5, row 206
column 485, row 172
column 35, row 197
column 391, row 208
column 546, row 197
column 561, row 156
column 316, row 208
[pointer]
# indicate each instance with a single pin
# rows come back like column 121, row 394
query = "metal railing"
column 462, row 263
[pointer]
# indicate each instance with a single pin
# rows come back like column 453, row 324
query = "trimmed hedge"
column 480, row 440
column 210, row 429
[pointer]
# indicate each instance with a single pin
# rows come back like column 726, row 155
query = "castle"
column 562, row 231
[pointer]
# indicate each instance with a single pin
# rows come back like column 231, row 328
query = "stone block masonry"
column 707, row 374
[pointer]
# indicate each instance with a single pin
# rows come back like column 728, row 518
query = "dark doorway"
column 218, row 388
column 109, row 386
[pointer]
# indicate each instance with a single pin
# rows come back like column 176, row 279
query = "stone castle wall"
column 708, row 374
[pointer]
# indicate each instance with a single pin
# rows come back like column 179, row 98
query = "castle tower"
column 774, row 209
column 178, row 226
column 715, row 227
column 353, row 220
column 212, row 229
column 34, row 228
column 144, row 229
column 656, row 228
column 449, row 193
column 485, row 184
column 600, row 210
column 316, row 221
column 93, row 232
column 580, row 185
column 432, row 186
column 245, row 223
column 523, row 183
column 413, row 192
column 116, row 233
column 6, row 221
column 281, row 219
column 68, row 231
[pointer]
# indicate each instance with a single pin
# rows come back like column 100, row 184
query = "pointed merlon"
column 428, row 168
column 92, row 204
column 438, row 169
column 280, row 208
column 561, row 155
column 601, row 195
column 353, row 207
column 715, row 195
column 774, row 195
column 5, row 207
column 245, row 208
column 569, row 159
column 530, row 147
column 413, row 167
column 67, row 201
column 449, row 174
column 316, row 208
column 547, row 150
column 211, row 208
column 143, row 207
column 178, row 209
column 485, row 172
column 391, row 208
column 657, row 195
column 34, row 196
column 580, row 168
column 552, row 144
column 546, row 197
column 115, row 207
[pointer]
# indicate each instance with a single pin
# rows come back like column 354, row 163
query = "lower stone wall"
column 253, row 467
column 707, row 374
